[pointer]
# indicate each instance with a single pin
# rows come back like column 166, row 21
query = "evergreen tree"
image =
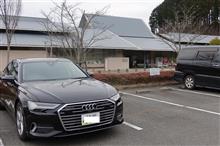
column 207, row 13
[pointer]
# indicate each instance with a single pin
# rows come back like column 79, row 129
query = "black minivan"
column 199, row 66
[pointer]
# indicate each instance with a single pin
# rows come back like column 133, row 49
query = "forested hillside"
column 206, row 12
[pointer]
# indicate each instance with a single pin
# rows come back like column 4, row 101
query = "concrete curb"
column 123, row 87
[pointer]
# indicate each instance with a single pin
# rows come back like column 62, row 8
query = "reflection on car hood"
column 69, row 91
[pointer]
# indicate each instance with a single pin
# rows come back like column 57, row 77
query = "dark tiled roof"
column 123, row 26
column 29, row 24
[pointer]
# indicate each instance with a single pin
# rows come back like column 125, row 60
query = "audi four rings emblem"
column 88, row 107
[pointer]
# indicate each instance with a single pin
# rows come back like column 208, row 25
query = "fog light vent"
column 33, row 127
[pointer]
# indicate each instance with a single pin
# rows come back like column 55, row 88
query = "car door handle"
column 216, row 65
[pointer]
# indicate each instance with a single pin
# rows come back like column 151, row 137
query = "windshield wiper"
column 80, row 78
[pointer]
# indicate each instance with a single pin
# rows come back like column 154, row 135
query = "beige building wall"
column 115, row 63
column 20, row 54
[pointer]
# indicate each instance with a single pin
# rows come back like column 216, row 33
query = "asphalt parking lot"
column 153, row 116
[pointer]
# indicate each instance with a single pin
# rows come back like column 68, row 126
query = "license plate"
column 91, row 118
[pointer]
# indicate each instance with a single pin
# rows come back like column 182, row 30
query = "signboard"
column 154, row 71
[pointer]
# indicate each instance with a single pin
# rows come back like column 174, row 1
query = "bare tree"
column 63, row 28
column 9, row 12
column 185, row 27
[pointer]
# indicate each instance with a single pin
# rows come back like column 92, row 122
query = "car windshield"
column 51, row 70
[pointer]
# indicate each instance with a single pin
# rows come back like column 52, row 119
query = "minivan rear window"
column 187, row 54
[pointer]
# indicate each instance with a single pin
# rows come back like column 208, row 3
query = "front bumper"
column 179, row 76
column 49, row 124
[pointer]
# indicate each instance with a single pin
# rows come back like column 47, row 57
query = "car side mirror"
column 8, row 78
column 91, row 74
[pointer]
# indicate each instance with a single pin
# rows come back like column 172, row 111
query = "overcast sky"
column 126, row 8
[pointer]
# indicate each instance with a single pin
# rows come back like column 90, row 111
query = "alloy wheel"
column 189, row 82
column 20, row 121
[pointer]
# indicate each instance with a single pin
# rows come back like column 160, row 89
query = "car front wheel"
column 1, row 106
column 20, row 123
column 189, row 82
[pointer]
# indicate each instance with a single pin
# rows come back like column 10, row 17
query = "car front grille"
column 70, row 114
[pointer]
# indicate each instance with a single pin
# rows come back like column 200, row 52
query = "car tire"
column 189, row 82
column 20, row 123
column 1, row 107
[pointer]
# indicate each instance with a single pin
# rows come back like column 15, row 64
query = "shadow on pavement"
column 83, row 139
column 203, row 89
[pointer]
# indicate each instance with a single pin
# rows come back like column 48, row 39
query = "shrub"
column 215, row 41
column 133, row 78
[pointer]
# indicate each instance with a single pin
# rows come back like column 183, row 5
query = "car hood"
column 69, row 91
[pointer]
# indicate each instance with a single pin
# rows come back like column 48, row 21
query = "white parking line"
column 174, row 104
column 200, row 93
column 1, row 142
column 132, row 126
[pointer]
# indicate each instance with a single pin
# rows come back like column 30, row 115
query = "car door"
column 9, row 88
column 215, row 71
column 203, row 61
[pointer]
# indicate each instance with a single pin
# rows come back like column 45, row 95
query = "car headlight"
column 41, row 106
column 116, row 97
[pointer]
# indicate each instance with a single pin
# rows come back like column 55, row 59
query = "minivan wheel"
column 189, row 82
column 20, row 123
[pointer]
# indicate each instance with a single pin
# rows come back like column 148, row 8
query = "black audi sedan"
column 53, row 97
